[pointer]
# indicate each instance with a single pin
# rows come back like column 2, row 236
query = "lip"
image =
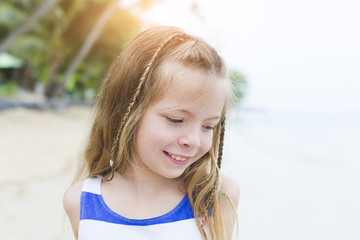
column 177, row 162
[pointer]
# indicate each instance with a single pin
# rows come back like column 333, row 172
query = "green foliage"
column 54, row 40
column 13, row 13
column 7, row 89
column 10, row 18
column 121, row 27
column 28, row 45
column 240, row 84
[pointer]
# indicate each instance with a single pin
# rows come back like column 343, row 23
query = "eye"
column 208, row 127
column 174, row 120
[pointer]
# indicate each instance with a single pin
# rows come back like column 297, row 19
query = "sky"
column 299, row 56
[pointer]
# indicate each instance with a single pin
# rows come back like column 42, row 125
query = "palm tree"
column 92, row 38
column 58, row 45
column 26, row 25
column 86, row 47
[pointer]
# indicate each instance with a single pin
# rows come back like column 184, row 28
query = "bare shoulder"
column 71, row 198
column 230, row 188
column 71, row 202
column 232, row 191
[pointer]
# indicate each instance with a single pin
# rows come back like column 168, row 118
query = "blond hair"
column 133, row 83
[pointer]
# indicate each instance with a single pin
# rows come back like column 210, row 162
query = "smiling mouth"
column 177, row 157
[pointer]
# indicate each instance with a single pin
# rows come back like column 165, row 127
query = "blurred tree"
column 86, row 47
column 42, row 45
column 60, row 47
column 13, row 14
column 52, row 42
column 26, row 25
column 10, row 18
column 240, row 84
column 97, row 38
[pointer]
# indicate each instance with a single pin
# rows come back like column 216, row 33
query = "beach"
column 298, row 174
column 38, row 159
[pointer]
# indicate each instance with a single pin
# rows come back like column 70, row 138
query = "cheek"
column 206, row 143
column 158, row 136
column 159, row 139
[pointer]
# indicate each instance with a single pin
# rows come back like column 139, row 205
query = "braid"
column 131, row 104
column 221, row 142
column 212, row 193
column 210, row 200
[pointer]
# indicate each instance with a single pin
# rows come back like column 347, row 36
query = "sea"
column 299, row 174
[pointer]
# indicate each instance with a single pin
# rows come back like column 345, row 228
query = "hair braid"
column 135, row 96
column 210, row 197
column 221, row 142
column 210, row 200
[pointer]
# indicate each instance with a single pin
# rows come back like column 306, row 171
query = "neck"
column 144, row 183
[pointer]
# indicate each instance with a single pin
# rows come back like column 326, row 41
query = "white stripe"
column 180, row 230
column 92, row 185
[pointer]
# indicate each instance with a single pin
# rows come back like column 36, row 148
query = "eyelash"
column 179, row 121
column 174, row 120
column 209, row 127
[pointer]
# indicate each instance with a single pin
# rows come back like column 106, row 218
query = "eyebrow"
column 190, row 113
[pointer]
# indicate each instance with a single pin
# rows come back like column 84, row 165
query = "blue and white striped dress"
column 98, row 221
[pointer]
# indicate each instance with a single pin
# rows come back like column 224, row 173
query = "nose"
column 190, row 138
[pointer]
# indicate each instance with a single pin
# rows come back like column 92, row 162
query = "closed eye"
column 207, row 127
column 174, row 120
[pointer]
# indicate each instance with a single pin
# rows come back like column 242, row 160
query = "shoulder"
column 71, row 202
column 230, row 188
column 72, row 195
column 232, row 191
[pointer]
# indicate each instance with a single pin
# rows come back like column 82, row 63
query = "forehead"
column 192, row 88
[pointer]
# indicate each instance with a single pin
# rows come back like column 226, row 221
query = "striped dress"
column 98, row 221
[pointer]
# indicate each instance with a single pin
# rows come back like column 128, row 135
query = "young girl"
column 153, row 158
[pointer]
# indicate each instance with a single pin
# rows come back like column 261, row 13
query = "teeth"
column 177, row 157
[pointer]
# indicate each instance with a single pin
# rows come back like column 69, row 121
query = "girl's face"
column 177, row 130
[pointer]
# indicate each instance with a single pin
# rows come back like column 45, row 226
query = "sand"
column 38, row 158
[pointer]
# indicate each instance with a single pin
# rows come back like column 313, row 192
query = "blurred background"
column 292, row 141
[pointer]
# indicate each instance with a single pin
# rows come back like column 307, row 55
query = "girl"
column 153, row 158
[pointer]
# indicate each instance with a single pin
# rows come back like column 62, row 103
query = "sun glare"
column 174, row 13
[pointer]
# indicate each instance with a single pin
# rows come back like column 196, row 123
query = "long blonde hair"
column 133, row 83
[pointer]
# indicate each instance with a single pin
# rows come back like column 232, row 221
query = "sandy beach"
column 38, row 158
column 298, row 176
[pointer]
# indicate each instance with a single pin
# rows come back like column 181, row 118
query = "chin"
column 174, row 175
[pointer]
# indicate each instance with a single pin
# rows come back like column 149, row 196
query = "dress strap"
column 92, row 185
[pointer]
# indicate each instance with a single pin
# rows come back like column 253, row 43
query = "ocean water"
column 299, row 174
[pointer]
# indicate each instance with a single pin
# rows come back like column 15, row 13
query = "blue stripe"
column 93, row 207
